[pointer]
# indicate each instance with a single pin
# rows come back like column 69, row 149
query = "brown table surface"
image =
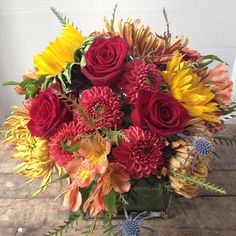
column 208, row 214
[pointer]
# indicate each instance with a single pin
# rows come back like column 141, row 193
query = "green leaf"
column 79, row 53
column 27, row 81
column 210, row 59
column 9, row 83
column 65, row 76
column 49, row 81
column 73, row 217
column 73, row 148
column 229, row 113
column 225, row 140
column 75, row 104
column 180, row 204
column 148, row 194
column 49, row 183
column 115, row 135
column 110, row 200
column 197, row 181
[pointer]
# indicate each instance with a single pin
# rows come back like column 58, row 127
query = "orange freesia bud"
column 19, row 90
column 31, row 74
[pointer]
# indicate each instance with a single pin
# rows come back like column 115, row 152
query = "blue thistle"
column 202, row 146
column 132, row 226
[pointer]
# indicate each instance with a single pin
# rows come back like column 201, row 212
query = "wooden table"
column 209, row 214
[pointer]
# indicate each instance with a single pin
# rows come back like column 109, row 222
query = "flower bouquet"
column 124, row 118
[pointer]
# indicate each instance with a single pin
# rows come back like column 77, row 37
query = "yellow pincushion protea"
column 59, row 53
column 181, row 162
column 187, row 87
column 32, row 151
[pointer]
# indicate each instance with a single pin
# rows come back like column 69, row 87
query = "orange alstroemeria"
column 81, row 171
column 95, row 151
column 221, row 84
column 72, row 199
column 115, row 178
column 83, row 176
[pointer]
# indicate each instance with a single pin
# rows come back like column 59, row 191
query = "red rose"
column 160, row 113
column 47, row 113
column 105, row 60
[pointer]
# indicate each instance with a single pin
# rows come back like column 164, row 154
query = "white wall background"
column 26, row 27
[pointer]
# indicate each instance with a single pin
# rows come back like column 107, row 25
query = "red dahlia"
column 142, row 155
column 139, row 75
column 102, row 106
column 67, row 133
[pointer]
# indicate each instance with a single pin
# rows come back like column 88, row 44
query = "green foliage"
column 30, row 85
column 110, row 200
column 148, row 194
column 73, row 103
column 209, row 59
column 90, row 228
column 113, row 17
column 168, row 34
column 61, row 17
column 180, row 204
column 201, row 183
column 65, row 76
column 9, row 83
column 49, row 81
column 110, row 230
column 73, row 218
column 115, row 135
column 81, row 51
column 70, row 148
column 225, row 140
column 122, row 200
column 49, row 183
column 230, row 113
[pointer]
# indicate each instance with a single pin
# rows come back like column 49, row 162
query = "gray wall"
column 28, row 25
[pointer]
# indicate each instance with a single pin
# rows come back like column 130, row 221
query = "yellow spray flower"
column 32, row 151
column 187, row 88
column 59, row 53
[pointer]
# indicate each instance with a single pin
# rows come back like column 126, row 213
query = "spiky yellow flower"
column 186, row 86
column 59, row 53
column 32, row 151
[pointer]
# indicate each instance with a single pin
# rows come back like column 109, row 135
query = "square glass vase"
column 149, row 196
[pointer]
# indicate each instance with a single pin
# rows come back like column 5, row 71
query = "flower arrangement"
column 117, row 115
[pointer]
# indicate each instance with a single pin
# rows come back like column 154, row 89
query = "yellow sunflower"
column 32, row 151
column 59, row 53
column 187, row 88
